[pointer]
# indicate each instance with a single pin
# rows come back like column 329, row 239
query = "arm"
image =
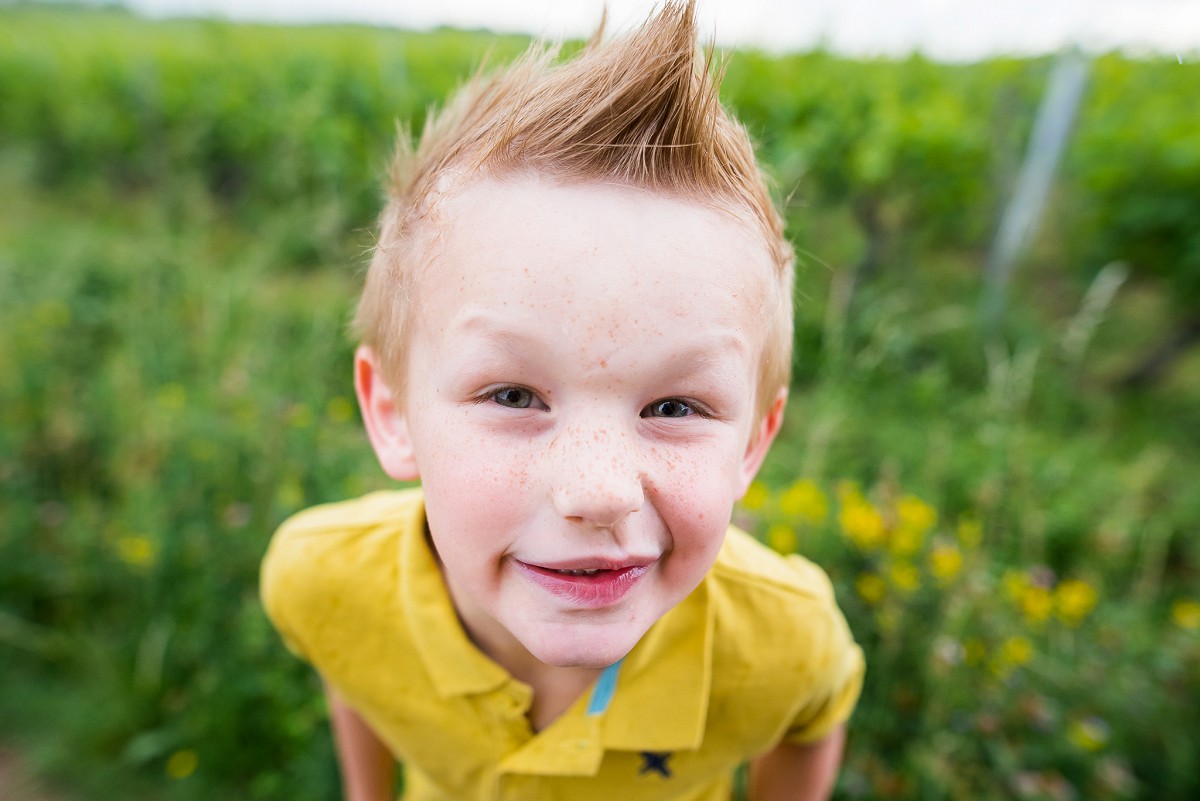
column 368, row 768
column 798, row 772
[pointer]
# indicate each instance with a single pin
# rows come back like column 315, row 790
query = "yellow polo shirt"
column 757, row 654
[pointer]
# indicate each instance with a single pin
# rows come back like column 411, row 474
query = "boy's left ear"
column 761, row 439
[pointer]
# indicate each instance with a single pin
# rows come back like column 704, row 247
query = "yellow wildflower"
column 136, row 551
column 970, row 533
column 1015, row 583
column 861, row 523
column 756, row 497
column 945, row 562
column 914, row 518
column 782, row 538
column 182, row 763
column 904, row 576
column 1089, row 734
column 1036, row 603
column 1014, row 652
column 871, row 588
column 906, row 541
column 1074, row 600
column 1186, row 614
column 915, row 514
column 805, row 500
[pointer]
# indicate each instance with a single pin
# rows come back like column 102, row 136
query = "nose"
column 597, row 478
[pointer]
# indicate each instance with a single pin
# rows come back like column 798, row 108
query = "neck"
column 554, row 687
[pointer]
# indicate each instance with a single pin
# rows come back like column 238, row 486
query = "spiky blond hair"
column 641, row 110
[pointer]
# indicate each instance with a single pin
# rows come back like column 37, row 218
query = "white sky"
column 950, row 29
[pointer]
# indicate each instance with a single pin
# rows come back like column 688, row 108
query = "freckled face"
column 580, row 404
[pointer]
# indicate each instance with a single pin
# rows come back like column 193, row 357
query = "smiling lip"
column 592, row 587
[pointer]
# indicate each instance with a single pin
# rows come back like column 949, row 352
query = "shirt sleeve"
column 838, row 669
column 280, row 580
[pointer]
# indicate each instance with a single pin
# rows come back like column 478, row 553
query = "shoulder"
column 746, row 565
column 780, row 608
column 784, row 660
column 328, row 559
column 368, row 512
column 343, row 530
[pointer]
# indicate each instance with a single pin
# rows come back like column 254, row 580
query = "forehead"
column 529, row 239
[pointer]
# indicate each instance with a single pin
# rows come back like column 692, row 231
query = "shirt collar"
column 455, row 666
column 661, row 700
column 660, row 703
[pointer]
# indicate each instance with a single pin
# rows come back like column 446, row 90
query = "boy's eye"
column 513, row 397
column 669, row 407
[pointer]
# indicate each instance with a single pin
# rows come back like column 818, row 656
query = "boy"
column 576, row 333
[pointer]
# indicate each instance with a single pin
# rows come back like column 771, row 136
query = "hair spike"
column 641, row 109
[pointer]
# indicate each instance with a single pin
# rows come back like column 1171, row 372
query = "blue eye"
column 513, row 397
column 669, row 407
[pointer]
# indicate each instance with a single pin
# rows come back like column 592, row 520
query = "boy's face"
column 579, row 407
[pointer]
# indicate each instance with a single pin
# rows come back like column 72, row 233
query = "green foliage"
column 1001, row 542
column 906, row 145
column 1137, row 167
column 258, row 116
column 188, row 207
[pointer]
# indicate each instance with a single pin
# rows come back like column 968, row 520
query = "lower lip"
column 593, row 592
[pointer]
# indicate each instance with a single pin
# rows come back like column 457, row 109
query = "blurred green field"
column 1011, row 524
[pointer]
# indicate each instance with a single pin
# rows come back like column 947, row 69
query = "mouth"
column 589, row 587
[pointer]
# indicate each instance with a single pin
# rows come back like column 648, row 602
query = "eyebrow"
column 485, row 337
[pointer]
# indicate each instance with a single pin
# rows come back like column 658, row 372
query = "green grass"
column 1012, row 538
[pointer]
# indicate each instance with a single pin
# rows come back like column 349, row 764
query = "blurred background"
column 944, row 29
column 995, row 428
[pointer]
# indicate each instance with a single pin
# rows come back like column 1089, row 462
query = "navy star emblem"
column 656, row 762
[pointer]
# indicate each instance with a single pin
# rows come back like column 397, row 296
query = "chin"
column 584, row 648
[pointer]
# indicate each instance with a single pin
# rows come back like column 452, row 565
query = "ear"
column 383, row 416
column 761, row 439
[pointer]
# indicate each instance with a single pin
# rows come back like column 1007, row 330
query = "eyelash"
column 695, row 409
column 494, row 396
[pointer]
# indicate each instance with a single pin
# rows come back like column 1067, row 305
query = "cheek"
column 695, row 494
column 699, row 473
column 471, row 490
